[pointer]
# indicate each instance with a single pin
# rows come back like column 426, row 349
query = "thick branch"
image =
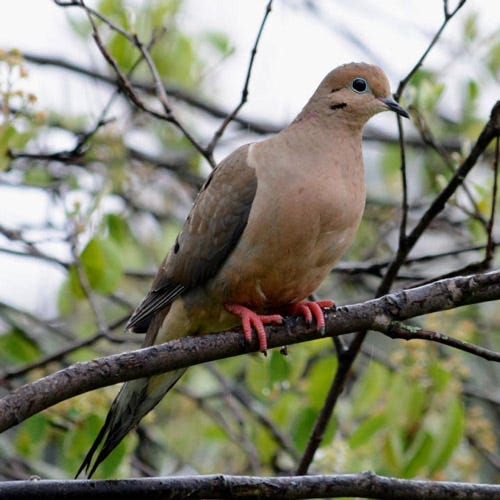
column 365, row 485
column 374, row 314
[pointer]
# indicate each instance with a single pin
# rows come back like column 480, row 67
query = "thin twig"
column 127, row 87
column 244, row 94
column 163, row 98
column 447, row 17
column 240, row 439
column 490, row 245
column 183, row 95
column 429, row 139
column 398, row 330
column 404, row 184
column 247, row 402
column 43, row 361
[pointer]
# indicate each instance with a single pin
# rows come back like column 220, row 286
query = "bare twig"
column 490, row 245
column 244, row 94
column 125, row 84
column 34, row 319
column 447, row 18
column 429, row 139
column 404, row 184
column 163, row 98
column 247, row 402
column 180, row 94
column 398, row 330
column 239, row 438
column 491, row 458
column 13, row 373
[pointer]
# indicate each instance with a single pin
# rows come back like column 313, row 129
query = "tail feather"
column 135, row 399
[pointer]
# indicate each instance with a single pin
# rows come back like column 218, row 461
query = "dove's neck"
column 313, row 146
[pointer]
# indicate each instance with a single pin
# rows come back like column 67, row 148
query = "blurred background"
column 93, row 191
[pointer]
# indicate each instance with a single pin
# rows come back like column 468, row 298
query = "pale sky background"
column 296, row 51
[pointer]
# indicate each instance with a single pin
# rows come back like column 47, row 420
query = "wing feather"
column 209, row 234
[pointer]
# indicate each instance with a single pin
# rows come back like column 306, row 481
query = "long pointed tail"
column 135, row 399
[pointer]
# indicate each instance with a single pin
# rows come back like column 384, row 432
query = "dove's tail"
column 135, row 399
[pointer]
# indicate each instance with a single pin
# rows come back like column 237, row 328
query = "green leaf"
column 73, row 287
column 302, row 427
column 66, row 297
column 220, row 41
column 422, row 75
column 440, row 376
column 415, row 405
column 7, row 131
column 449, row 436
column 102, row 264
column 473, row 90
column 367, row 429
column 390, row 164
column 76, row 444
column 256, row 375
column 118, row 228
column 470, row 27
column 30, row 436
column 319, row 380
column 398, row 396
column 109, row 467
column 36, row 427
column 392, row 452
column 278, row 367
column 406, row 403
column 37, row 175
column 418, row 455
column 493, row 60
column 369, row 389
column 16, row 347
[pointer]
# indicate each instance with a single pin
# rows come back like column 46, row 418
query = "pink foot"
column 251, row 319
column 309, row 309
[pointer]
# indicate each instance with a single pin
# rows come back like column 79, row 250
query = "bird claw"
column 250, row 319
column 310, row 309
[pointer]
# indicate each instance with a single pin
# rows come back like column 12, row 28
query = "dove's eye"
column 359, row 85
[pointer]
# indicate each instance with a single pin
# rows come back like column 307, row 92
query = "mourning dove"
column 266, row 228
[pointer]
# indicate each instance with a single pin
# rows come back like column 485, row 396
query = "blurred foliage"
column 409, row 409
column 17, row 123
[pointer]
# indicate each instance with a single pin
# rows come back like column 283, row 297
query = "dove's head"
column 354, row 93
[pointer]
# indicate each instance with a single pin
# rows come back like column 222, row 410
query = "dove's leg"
column 250, row 319
column 308, row 309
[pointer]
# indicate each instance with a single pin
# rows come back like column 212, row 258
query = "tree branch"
column 372, row 314
column 365, row 485
column 397, row 330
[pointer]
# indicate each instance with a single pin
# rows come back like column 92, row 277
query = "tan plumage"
column 265, row 229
